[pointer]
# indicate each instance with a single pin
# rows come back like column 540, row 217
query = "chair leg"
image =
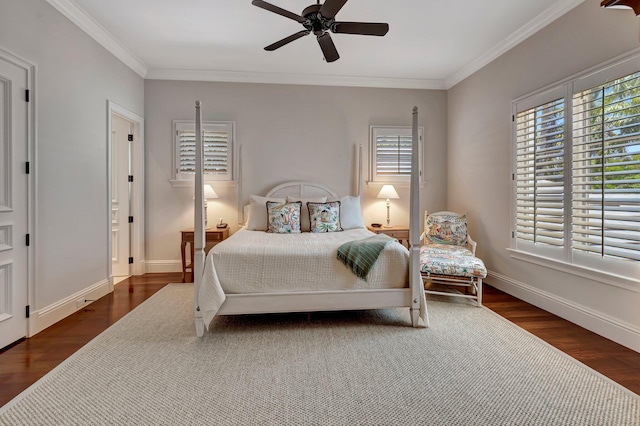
column 479, row 292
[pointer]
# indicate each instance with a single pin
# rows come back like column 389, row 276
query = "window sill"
column 190, row 183
column 577, row 270
column 376, row 183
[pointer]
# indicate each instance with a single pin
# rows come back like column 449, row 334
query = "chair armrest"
column 471, row 245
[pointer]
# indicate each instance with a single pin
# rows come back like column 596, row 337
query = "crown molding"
column 90, row 26
column 536, row 24
column 302, row 79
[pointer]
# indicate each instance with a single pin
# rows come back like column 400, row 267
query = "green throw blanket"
column 361, row 255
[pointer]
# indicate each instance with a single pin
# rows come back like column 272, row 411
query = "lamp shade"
column 388, row 191
column 622, row 4
column 209, row 193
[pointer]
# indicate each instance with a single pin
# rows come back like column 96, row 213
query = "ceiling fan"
column 319, row 19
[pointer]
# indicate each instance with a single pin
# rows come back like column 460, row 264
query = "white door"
column 13, row 202
column 120, row 196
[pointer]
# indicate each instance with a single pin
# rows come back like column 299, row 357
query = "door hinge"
column 26, row 311
column 130, row 260
column 513, row 176
column 27, row 167
column 27, row 240
column 130, row 219
column 513, row 118
column 130, row 138
column 513, row 234
column 130, row 178
column 26, row 95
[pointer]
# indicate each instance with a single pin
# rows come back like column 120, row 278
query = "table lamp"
column 209, row 194
column 388, row 192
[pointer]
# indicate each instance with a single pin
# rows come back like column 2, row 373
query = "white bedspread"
column 260, row 262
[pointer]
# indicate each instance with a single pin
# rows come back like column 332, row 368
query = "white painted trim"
column 190, row 184
column 49, row 315
column 614, row 329
column 163, row 266
column 96, row 31
column 137, row 234
column 549, row 15
column 32, row 182
column 302, row 79
column 577, row 270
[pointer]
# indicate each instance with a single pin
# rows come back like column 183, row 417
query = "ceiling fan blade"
column 331, row 7
column 286, row 40
column 328, row 48
column 275, row 9
column 363, row 28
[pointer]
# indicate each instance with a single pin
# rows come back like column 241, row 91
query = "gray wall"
column 75, row 77
column 479, row 161
column 287, row 132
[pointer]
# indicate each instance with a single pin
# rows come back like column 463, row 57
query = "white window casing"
column 218, row 138
column 390, row 153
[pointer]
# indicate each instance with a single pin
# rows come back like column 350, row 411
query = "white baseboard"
column 45, row 317
column 613, row 329
column 163, row 266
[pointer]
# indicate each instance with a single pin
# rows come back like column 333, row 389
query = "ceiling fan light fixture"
column 622, row 4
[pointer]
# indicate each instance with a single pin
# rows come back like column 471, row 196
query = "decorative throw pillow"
column 284, row 218
column 257, row 220
column 324, row 217
column 350, row 212
column 304, row 214
column 446, row 228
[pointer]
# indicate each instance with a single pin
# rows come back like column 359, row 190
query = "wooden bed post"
column 415, row 281
column 360, row 172
column 199, row 231
column 241, row 218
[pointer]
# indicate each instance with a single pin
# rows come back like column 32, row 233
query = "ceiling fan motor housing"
column 315, row 21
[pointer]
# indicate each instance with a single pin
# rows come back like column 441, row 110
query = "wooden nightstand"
column 398, row 232
column 212, row 237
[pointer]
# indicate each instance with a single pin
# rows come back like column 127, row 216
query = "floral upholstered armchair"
column 447, row 257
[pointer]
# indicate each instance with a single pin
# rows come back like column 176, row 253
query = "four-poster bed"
column 317, row 285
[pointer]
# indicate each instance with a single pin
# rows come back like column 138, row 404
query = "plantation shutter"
column 539, row 173
column 392, row 153
column 606, row 169
column 217, row 150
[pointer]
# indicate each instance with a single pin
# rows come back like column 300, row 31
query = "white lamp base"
column 388, row 225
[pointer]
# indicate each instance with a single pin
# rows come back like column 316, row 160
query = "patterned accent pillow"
column 324, row 217
column 304, row 214
column 446, row 229
column 284, row 218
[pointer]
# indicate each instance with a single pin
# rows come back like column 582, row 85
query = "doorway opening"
column 125, row 171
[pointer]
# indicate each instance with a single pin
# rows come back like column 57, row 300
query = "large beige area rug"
column 346, row 368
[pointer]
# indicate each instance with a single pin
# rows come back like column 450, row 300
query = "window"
column 391, row 153
column 577, row 171
column 606, row 169
column 218, row 150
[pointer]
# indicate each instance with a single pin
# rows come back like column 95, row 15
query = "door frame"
column 137, row 199
column 32, row 189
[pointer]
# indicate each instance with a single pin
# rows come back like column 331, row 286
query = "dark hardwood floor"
column 24, row 362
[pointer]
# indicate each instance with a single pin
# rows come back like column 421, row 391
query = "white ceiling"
column 431, row 43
